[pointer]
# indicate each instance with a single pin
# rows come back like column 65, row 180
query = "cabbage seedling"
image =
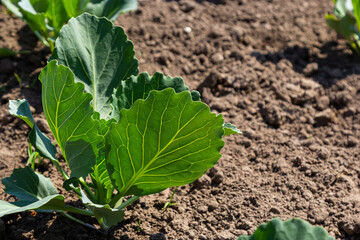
column 346, row 21
column 131, row 134
column 46, row 17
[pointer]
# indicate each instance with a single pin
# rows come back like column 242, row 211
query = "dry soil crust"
column 274, row 69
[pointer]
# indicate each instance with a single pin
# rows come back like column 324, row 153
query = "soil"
column 271, row 67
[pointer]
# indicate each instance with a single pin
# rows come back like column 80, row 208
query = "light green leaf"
column 56, row 15
column 110, row 9
column 74, row 7
column 138, row 87
column 34, row 191
column 167, row 140
column 35, row 20
column 340, row 8
column 293, row 229
column 230, row 129
column 356, row 6
column 81, row 158
column 67, row 108
column 104, row 213
column 12, row 6
column 100, row 56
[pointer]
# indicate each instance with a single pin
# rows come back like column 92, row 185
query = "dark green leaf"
column 34, row 191
column 138, row 87
column 81, row 158
column 21, row 109
column 100, row 56
column 167, row 140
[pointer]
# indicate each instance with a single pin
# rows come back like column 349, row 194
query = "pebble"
column 212, row 205
column 187, row 6
column 271, row 115
column 324, row 117
column 310, row 69
column 250, row 134
column 217, row 58
column 323, row 103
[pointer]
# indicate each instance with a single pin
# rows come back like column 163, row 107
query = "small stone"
column 218, row 178
column 202, row 237
column 250, row 134
column 310, row 69
column 341, row 99
column 157, row 236
column 271, row 115
column 212, row 205
column 217, row 58
column 275, row 210
column 187, row 6
column 325, row 117
column 352, row 141
column 323, row 154
column 203, row 181
column 216, row 32
column 323, row 102
column 321, row 216
column 202, row 209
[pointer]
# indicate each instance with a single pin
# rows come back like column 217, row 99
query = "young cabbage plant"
column 46, row 17
column 293, row 229
column 346, row 21
column 130, row 134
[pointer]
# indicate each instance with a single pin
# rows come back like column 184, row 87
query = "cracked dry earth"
column 274, row 69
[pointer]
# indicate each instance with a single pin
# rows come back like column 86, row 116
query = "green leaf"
column 56, row 15
column 27, row 185
column 6, row 52
column 230, row 129
column 293, row 229
column 74, row 7
column 138, row 87
column 110, row 9
column 167, row 140
column 100, row 56
column 67, row 108
column 35, row 20
column 12, row 6
column 42, row 144
column 340, row 8
column 104, row 213
column 21, row 109
column 344, row 26
column 356, row 6
column 81, row 158
column 34, row 191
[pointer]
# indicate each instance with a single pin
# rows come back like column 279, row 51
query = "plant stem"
column 77, row 220
column 87, row 189
column 128, row 202
column 79, row 211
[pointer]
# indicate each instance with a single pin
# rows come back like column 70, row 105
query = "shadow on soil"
column 332, row 63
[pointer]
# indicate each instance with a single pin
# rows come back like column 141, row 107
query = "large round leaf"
column 293, row 229
column 166, row 140
column 100, row 56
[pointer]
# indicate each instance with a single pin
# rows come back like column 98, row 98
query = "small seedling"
column 130, row 134
column 346, row 21
column 139, row 229
column 46, row 18
column 170, row 202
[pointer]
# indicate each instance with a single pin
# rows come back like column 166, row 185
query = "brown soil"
column 274, row 69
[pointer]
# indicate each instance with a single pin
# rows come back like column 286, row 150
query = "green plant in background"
column 346, row 21
column 131, row 134
column 293, row 229
column 46, row 17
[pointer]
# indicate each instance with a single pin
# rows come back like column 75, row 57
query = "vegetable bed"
column 278, row 73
